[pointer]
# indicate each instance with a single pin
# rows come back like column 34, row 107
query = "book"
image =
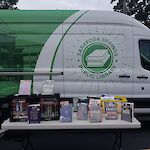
column 19, row 110
column 34, row 114
column 50, row 109
column 48, row 87
column 111, row 110
column 25, row 87
column 95, row 112
column 127, row 111
column 75, row 101
column 82, row 111
column 65, row 112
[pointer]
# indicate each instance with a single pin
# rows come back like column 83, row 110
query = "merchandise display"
column 52, row 107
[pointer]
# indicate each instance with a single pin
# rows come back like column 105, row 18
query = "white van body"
column 115, row 69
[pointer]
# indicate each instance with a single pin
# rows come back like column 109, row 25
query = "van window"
column 145, row 53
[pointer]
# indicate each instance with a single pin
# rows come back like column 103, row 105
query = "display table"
column 75, row 124
column 2, row 132
column 117, row 126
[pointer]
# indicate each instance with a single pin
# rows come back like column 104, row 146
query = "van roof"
column 114, row 18
column 96, row 17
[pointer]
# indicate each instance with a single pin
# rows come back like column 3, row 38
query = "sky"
column 65, row 4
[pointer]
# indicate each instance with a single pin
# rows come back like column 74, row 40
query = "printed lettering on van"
column 98, row 55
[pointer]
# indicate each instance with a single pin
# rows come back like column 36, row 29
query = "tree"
column 8, row 4
column 140, row 9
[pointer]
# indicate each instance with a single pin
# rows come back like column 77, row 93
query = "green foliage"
column 8, row 4
column 140, row 9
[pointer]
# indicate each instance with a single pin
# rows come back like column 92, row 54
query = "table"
column 2, row 132
column 76, row 124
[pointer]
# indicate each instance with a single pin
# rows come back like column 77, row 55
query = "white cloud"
column 65, row 4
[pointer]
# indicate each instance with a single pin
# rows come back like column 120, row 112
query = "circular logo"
column 97, row 58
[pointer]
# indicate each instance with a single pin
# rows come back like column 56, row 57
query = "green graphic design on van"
column 97, row 57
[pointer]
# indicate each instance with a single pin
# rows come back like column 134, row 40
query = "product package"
column 95, row 112
column 48, row 87
column 127, row 111
column 34, row 113
column 50, row 109
column 19, row 110
column 65, row 112
column 111, row 110
column 25, row 87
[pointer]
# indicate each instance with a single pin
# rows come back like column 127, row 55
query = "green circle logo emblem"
column 97, row 58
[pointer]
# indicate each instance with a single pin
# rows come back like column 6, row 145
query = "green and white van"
column 86, row 53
